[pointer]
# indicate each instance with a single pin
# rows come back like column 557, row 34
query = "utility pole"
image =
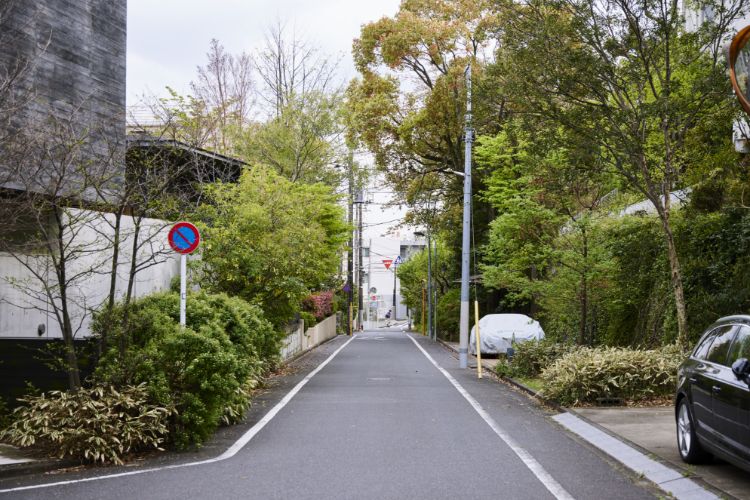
column 394, row 292
column 350, row 257
column 360, row 273
column 429, row 286
column 435, row 293
column 463, row 337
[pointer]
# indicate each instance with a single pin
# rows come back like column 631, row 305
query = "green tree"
column 408, row 106
column 272, row 241
column 626, row 78
column 302, row 142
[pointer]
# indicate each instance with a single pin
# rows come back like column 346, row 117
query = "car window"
column 701, row 351
column 740, row 346
column 719, row 349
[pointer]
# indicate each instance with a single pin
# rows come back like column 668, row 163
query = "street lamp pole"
column 463, row 338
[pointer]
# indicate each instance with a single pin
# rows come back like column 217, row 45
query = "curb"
column 698, row 480
column 36, row 467
column 693, row 477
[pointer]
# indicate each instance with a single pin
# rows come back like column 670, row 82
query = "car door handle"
column 693, row 379
column 716, row 388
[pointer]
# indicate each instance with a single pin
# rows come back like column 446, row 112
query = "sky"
column 168, row 39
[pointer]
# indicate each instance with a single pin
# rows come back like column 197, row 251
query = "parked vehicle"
column 497, row 332
column 712, row 406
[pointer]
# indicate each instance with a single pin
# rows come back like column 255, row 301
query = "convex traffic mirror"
column 739, row 67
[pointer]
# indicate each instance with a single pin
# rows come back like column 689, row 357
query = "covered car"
column 498, row 331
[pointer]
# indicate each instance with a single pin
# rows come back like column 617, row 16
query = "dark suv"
column 712, row 406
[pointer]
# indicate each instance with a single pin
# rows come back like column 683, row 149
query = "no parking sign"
column 184, row 238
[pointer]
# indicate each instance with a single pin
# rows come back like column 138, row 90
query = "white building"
column 385, row 238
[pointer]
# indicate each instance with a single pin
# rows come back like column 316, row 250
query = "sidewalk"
column 649, row 432
column 653, row 429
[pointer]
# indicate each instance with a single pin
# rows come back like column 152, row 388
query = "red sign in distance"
column 387, row 263
column 184, row 238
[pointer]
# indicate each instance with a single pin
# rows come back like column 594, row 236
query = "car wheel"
column 687, row 441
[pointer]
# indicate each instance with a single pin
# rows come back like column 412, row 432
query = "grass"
column 531, row 382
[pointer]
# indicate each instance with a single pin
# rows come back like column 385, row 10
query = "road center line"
column 229, row 453
column 535, row 467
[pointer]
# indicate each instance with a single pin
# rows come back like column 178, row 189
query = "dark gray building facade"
column 71, row 56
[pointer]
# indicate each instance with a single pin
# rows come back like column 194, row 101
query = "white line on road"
column 535, row 467
column 229, row 453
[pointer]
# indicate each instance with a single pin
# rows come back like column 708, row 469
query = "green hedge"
column 532, row 357
column 204, row 370
column 586, row 375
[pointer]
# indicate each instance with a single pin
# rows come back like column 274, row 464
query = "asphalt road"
column 378, row 421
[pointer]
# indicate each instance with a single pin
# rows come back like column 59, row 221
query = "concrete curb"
column 695, row 478
column 663, row 475
column 36, row 467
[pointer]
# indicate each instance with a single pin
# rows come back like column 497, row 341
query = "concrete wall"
column 22, row 305
column 75, row 51
column 299, row 339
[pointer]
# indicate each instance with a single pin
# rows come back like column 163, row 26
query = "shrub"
column 309, row 319
column 587, row 374
column 203, row 370
column 320, row 304
column 101, row 424
column 4, row 414
column 532, row 357
column 504, row 368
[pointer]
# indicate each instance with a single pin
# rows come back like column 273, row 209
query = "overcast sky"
column 167, row 39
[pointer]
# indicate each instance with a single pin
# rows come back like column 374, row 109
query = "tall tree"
column 291, row 69
column 57, row 175
column 408, row 105
column 225, row 87
column 627, row 77
column 271, row 241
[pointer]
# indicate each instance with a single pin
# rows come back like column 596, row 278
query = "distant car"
column 497, row 332
column 712, row 406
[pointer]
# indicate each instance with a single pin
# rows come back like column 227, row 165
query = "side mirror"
column 741, row 368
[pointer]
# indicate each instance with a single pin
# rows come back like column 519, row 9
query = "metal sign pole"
column 183, row 288
column 184, row 238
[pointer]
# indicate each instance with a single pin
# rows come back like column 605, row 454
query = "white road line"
column 535, row 467
column 229, row 453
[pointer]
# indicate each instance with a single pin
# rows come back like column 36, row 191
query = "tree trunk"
column 112, row 277
column 676, row 279
column 584, row 294
column 115, row 258
column 71, row 358
column 131, row 283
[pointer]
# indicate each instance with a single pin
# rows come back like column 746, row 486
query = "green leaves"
column 101, row 424
column 271, row 241
column 586, row 375
column 206, row 370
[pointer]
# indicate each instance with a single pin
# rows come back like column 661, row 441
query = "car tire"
column 688, row 445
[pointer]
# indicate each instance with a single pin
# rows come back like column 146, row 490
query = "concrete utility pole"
column 429, row 286
column 463, row 338
column 350, row 256
column 360, row 273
